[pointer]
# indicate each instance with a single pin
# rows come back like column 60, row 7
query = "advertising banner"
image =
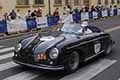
column 84, row 16
column 16, row 25
column 95, row 15
column 104, row 13
column 3, row 26
column 41, row 22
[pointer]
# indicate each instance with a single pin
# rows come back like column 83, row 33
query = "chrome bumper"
column 41, row 66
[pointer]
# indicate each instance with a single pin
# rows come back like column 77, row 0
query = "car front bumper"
column 41, row 66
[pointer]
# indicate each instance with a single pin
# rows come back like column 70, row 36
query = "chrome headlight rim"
column 54, row 53
column 18, row 47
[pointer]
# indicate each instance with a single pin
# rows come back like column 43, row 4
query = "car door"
column 97, row 44
column 93, row 46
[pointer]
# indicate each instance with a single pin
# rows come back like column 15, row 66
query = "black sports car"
column 65, row 48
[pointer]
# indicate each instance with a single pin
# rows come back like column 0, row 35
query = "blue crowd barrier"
column 76, row 17
column 108, row 13
column 31, row 24
column 53, row 20
column 3, row 26
column 99, row 14
column 90, row 15
column 115, row 11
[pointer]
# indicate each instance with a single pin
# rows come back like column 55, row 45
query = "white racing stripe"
column 26, row 75
column 91, row 70
column 5, row 56
column 6, row 49
column 7, row 66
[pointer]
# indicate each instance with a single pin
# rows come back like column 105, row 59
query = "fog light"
column 51, row 62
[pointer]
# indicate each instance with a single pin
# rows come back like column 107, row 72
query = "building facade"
column 49, row 5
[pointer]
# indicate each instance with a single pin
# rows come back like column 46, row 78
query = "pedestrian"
column 69, row 9
column 6, row 17
column 56, row 12
column 39, row 12
column 28, row 15
column 115, row 10
column 86, row 8
column 93, row 8
column 13, row 15
column 64, row 11
column 76, row 10
column 33, row 14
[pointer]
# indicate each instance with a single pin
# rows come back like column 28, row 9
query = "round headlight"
column 18, row 47
column 54, row 53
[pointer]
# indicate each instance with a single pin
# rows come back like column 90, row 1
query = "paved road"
column 102, row 68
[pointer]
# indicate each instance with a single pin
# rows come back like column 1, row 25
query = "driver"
column 85, row 29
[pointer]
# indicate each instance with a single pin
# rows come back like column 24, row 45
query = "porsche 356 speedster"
column 63, row 49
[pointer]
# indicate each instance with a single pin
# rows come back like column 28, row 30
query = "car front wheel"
column 72, row 63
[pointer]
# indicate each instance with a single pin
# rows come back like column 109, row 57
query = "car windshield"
column 71, row 28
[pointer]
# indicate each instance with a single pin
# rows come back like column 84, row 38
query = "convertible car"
column 63, row 49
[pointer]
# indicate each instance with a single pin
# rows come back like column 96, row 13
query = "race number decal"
column 97, row 47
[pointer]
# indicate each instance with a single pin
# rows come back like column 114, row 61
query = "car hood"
column 47, row 42
column 39, row 44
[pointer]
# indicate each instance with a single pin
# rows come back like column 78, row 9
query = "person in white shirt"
column 84, row 28
column 28, row 14
column 18, row 14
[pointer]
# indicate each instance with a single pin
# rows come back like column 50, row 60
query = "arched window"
column 22, row 2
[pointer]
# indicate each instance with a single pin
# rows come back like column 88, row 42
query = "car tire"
column 73, row 62
column 108, row 50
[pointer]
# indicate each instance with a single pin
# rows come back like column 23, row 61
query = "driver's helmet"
column 84, row 24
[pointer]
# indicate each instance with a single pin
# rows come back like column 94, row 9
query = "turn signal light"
column 41, row 57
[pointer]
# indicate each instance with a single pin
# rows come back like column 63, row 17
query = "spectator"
column 97, row 8
column 69, row 9
column 18, row 14
column 93, row 8
column 56, row 12
column 115, row 10
column 81, row 10
column 111, row 7
column 33, row 14
column 28, row 14
column 86, row 9
column 13, row 15
column 39, row 12
column 76, row 10
column 65, row 11
column 5, row 16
